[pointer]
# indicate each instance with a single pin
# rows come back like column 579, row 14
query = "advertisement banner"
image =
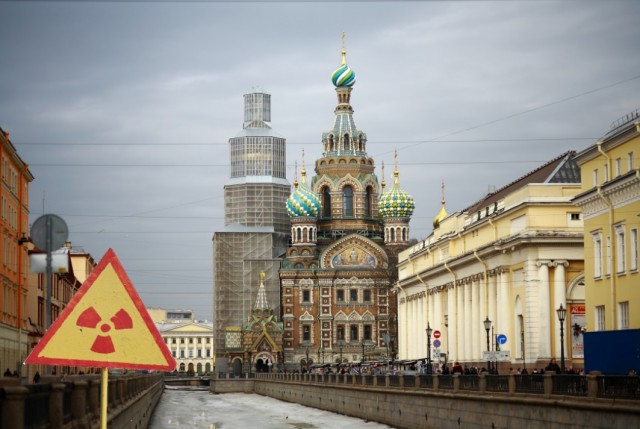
column 578, row 322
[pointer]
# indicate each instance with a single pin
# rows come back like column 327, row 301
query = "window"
column 182, row 353
column 595, row 177
column 354, row 332
column 367, row 332
column 306, row 333
column 366, row 296
column 606, row 173
column 633, row 242
column 347, row 201
column 623, row 315
column 621, row 265
column 340, row 295
column 326, row 202
column 367, row 203
column 600, row 326
column 597, row 255
column 353, row 295
column 618, row 166
column 340, row 332
column 306, row 296
column 630, row 160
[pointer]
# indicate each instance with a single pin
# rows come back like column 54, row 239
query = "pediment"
column 191, row 328
column 354, row 252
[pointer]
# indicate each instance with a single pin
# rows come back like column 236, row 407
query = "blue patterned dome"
column 343, row 76
column 396, row 202
column 303, row 202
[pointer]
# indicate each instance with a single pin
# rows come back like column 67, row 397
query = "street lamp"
column 429, row 331
column 340, row 346
column 487, row 327
column 306, row 362
column 446, row 325
column 562, row 314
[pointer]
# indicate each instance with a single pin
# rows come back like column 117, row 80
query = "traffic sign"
column 502, row 339
column 436, row 334
column 49, row 232
column 436, row 343
column 104, row 325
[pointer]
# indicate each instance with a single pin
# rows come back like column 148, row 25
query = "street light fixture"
column 562, row 315
column 340, row 346
column 487, row 327
column 429, row 331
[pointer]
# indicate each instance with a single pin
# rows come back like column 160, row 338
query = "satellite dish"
column 49, row 232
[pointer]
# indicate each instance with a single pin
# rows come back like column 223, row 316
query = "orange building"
column 14, row 269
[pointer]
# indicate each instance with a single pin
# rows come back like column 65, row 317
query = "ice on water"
column 204, row 410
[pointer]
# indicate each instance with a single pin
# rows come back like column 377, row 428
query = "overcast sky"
column 123, row 110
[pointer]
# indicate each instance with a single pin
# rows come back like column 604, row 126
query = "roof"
column 562, row 169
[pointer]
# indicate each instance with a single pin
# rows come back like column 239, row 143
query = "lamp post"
column 306, row 362
column 446, row 325
column 429, row 331
column 487, row 327
column 340, row 346
column 562, row 314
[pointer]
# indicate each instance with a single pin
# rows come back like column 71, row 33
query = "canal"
column 205, row 410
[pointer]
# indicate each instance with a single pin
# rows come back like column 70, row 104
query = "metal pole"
column 524, row 357
column 562, row 346
column 104, row 398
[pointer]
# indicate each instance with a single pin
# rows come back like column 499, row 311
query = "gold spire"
column 262, row 276
column 344, row 49
column 383, row 184
column 303, row 172
column 396, row 173
column 443, row 212
column 295, row 175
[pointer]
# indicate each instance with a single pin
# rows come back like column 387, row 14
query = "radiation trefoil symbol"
column 91, row 319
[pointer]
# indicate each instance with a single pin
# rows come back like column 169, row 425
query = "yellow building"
column 511, row 258
column 610, row 203
column 190, row 341
column 14, row 266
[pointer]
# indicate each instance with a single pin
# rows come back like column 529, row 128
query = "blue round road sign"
column 436, row 343
column 502, row 339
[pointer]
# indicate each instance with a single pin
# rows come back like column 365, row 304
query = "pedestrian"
column 36, row 378
column 553, row 366
column 7, row 373
column 457, row 368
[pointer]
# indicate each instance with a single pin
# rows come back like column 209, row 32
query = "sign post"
column 104, row 325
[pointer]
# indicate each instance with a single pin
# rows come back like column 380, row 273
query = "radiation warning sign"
column 105, row 325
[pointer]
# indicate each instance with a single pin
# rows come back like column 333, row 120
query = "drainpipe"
column 612, row 277
column 486, row 282
column 495, row 229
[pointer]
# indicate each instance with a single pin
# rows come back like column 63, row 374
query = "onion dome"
column 343, row 76
column 443, row 212
column 303, row 202
column 396, row 202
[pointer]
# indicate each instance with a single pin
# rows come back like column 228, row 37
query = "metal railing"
column 593, row 386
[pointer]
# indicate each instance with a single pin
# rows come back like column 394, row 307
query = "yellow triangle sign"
column 105, row 325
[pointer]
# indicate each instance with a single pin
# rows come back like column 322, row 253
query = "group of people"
column 8, row 373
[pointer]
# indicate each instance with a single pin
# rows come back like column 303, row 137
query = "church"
column 338, row 274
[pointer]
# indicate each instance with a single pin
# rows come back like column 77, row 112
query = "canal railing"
column 593, row 385
column 74, row 402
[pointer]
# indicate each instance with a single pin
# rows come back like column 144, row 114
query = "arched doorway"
column 199, row 368
column 190, row 370
column 237, row 367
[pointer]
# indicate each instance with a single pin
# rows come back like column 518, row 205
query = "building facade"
column 337, row 277
column 511, row 259
column 256, row 232
column 190, row 341
column 14, row 230
column 610, row 202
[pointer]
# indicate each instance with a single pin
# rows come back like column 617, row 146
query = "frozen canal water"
column 201, row 409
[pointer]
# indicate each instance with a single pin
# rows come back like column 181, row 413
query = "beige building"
column 513, row 258
column 190, row 341
column 610, row 202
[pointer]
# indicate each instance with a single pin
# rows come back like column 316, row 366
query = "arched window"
column 326, row 202
column 367, row 202
column 347, row 201
column 392, row 235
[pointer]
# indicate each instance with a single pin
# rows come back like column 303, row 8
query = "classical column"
column 451, row 317
column 460, row 321
column 468, row 329
column 502, row 322
column 559, row 297
column 544, row 331
column 491, row 296
column 476, row 325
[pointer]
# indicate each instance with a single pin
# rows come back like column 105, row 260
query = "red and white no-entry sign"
column 436, row 334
